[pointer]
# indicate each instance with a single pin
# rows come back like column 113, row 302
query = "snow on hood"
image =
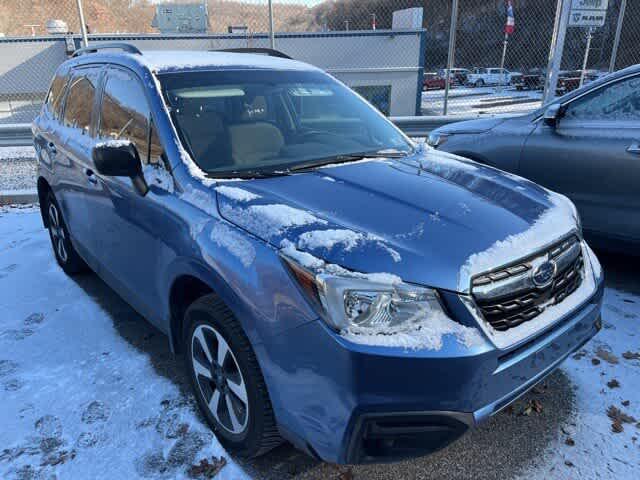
column 426, row 219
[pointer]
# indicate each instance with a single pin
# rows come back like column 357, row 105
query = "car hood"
column 480, row 125
column 432, row 218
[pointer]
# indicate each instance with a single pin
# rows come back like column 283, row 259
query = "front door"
column 130, row 230
column 593, row 157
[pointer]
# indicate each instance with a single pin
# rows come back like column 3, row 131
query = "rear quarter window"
column 79, row 104
column 56, row 93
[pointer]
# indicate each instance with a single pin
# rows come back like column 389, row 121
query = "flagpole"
column 504, row 55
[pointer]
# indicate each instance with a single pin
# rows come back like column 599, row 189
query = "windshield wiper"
column 247, row 174
column 350, row 157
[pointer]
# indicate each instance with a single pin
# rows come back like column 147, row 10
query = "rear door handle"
column 91, row 176
column 634, row 148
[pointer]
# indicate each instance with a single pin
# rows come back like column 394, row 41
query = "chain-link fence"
column 493, row 72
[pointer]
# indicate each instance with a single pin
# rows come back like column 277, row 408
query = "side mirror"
column 552, row 114
column 119, row 158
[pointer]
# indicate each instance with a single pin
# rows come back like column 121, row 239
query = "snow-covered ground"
column 489, row 100
column 79, row 397
column 89, row 390
column 17, row 168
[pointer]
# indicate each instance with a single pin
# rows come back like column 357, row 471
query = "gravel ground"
column 17, row 168
column 520, row 442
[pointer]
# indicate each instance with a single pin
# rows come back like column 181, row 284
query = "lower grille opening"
column 394, row 438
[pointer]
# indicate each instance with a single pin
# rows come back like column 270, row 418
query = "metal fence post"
column 557, row 46
column 586, row 55
column 83, row 26
column 272, row 38
column 451, row 54
column 616, row 41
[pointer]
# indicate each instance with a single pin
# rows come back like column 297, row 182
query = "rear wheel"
column 479, row 83
column 227, row 380
column 66, row 255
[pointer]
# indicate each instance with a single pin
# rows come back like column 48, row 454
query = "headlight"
column 435, row 139
column 368, row 305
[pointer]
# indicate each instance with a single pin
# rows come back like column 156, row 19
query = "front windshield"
column 253, row 121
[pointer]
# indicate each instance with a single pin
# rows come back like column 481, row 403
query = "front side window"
column 614, row 102
column 79, row 103
column 235, row 121
column 124, row 113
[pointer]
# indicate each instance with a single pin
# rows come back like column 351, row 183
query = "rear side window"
column 79, row 103
column 125, row 114
column 56, row 93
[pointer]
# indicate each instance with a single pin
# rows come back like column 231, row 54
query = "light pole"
column 557, row 46
column 83, row 26
column 272, row 38
column 616, row 41
column 451, row 54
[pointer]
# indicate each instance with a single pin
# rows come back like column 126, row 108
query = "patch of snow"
column 355, row 162
column 186, row 59
column 347, row 238
column 157, row 175
column 113, row 143
column 552, row 224
column 236, row 243
column 329, row 238
column 328, row 179
column 267, row 221
column 237, row 194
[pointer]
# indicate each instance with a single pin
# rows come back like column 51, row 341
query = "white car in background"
column 481, row 77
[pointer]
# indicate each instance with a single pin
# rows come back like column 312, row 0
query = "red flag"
column 511, row 20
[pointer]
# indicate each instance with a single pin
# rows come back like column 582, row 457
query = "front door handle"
column 52, row 148
column 634, row 147
column 91, row 176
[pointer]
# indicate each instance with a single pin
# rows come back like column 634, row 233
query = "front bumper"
column 351, row 403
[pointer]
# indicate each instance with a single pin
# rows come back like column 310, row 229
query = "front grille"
column 508, row 296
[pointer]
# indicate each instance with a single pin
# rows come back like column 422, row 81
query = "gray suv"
column 585, row 145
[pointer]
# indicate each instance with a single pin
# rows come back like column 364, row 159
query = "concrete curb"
column 15, row 197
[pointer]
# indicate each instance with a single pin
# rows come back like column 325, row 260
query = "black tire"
column 66, row 255
column 209, row 316
column 479, row 83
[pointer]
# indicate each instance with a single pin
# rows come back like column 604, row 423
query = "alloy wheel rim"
column 57, row 233
column 219, row 379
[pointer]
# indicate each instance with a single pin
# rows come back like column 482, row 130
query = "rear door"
column 71, row 141
column 129, row 230
column 593, row 156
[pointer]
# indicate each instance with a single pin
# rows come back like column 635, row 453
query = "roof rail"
column 261, row 51
column 127, row 47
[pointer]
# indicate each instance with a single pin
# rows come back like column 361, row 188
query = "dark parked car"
column 529, row 81
column 585, row 144
column 328, row 281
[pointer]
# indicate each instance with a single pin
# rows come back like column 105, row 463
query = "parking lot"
column 482, row 100
column 87, row 387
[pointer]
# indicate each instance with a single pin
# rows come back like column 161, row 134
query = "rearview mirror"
column 552, row 114
column 119, row 158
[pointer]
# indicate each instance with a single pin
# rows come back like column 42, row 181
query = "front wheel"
column 227, row 380
column 65, row 253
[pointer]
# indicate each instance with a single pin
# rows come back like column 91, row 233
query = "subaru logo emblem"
column 543, row 275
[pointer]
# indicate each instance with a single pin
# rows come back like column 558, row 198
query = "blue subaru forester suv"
column 328, row 281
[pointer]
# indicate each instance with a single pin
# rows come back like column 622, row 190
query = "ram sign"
column 588, row 13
